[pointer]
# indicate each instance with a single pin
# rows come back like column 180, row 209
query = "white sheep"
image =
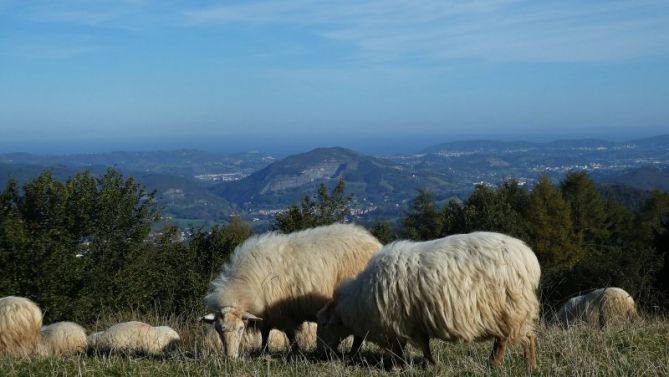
column 62, row 339
column 281, row 280
column 20, row 323
column 466, row 287
column 600, row 307
column 133, row 337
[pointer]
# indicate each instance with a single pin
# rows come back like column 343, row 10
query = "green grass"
column 640, row 349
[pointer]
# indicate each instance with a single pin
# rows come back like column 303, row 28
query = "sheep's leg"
column 497, row 355
column 292, row 344
column 357, row 344
column 264, row 334
column 397, row 353
column 529, row 346
column 427, row 353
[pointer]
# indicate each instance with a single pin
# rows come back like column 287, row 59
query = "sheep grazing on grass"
column 598, row 308
column 62, row 339
column 279, row 281
column 466, row 287
column 20, row 323
column 133, row 337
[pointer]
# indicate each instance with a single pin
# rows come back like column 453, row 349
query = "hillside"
column 373, row 180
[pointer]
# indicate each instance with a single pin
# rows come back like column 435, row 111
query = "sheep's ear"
column 209, row 318
column 250, row 317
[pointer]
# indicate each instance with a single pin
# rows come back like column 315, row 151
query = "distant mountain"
column 660, row 141
column 185, row 198
column 371, row 179
column 480, row 146
column 580, row 144
column 183, row 162
column 493, row 146
column 23, row 172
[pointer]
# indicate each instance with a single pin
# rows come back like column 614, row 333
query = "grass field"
column 640, row 349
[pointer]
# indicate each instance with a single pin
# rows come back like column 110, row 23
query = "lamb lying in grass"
column 598, row 308
column 134, row 337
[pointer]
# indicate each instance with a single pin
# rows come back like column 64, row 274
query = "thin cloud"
column 48, row 52
column 489, row 30
column 125, row 14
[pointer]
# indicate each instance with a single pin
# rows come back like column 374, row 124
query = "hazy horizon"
column 284, row 146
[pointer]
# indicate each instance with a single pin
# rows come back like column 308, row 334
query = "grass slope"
column 641, row 349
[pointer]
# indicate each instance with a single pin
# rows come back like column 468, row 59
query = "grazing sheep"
column 62, row 339
column 20, row 323
column 133, row 337
column 466, row 287
column 281, row 280
column 600, row 307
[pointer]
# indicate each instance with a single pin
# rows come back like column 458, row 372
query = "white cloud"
column 490, row 30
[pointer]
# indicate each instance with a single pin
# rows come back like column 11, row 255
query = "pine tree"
column 587, row 208
column 423, row 221
column 327, row 209
column 487, row 209
column 214, row 248
column 549, row 226
column 383, row 232
column 453, row 219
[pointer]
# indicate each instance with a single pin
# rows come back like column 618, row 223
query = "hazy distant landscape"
column 203, row 188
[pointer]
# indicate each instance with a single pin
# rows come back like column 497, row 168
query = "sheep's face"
column 167, row 338
column 331, row 330
column 230, row 323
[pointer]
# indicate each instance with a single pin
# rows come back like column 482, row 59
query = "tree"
column 123, row 214
column 161, row 276
column 423, row 221
column 213, row 248
column 487, row 209
column 453, row 219
column 549, row 226
column 588, row 211
column 383, row 232
column 653, row 228
column 327, row 209
column 14, row 243
column 65, row 244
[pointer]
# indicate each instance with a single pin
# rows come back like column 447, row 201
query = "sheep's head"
column 166, row 337
column 331, row 330
column 230, row 323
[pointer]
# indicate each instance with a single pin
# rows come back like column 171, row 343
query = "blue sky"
column 82, row 75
